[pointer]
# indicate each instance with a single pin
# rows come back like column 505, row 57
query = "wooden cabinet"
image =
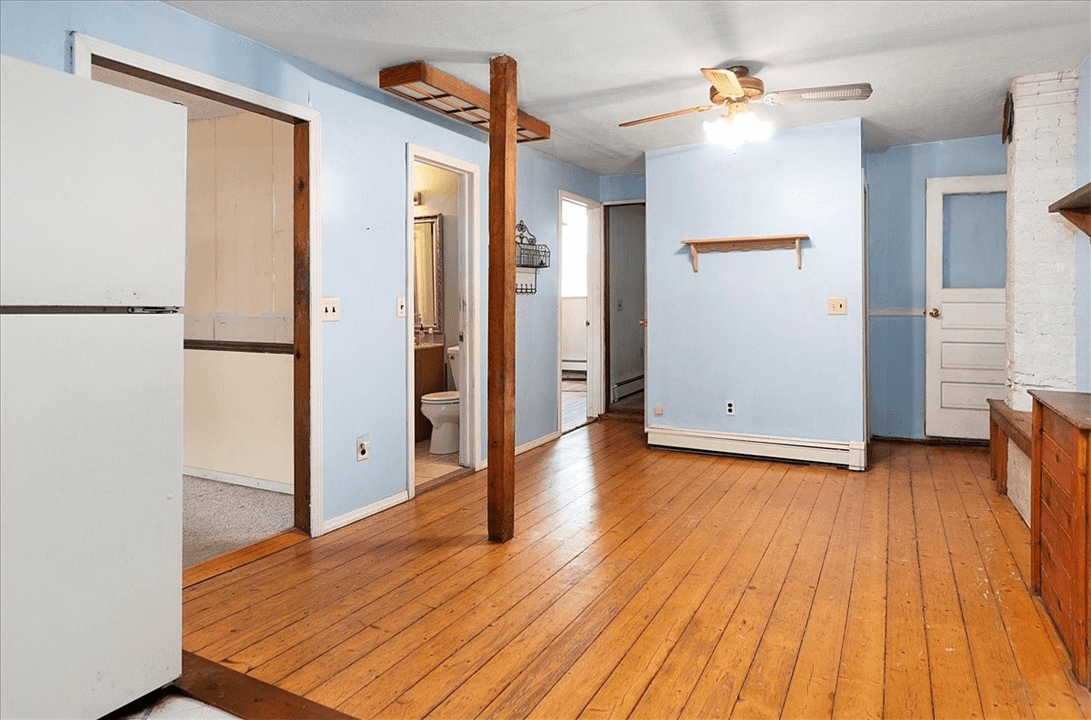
column 1060, row 530
column 431, row 376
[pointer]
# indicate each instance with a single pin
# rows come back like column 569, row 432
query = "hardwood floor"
column 652, row 584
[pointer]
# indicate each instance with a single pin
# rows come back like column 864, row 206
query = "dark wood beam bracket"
column 423, row 85
column 237, row 346
column 501, row 362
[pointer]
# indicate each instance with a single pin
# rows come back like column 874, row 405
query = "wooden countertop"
column 1072, row 406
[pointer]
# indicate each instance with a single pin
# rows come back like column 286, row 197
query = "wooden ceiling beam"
column 400, row 79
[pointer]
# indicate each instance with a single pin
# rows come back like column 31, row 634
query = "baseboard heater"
column 853, row 455
column 626, row 387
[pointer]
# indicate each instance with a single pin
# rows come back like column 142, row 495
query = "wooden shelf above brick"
column 1076, row 208
column 756, row 242
column 434, row 89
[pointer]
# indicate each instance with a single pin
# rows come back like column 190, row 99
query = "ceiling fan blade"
column 725, row 81
column 825, row 93
column 664, row 116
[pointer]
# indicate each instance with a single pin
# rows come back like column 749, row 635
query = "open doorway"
column 248, row 375
column 625, row 315
column 442, row 319
column 581, row 348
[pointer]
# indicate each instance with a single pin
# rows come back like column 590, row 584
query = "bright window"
column 573, row 249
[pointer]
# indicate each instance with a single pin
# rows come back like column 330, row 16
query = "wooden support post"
column 301, row 329
column 503, row 109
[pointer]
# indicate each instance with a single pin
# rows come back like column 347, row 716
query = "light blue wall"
column 750, row 327
column 536, row 316
column 1083, row 249
column 896, row 179
column 613, row 188
column 363, row 222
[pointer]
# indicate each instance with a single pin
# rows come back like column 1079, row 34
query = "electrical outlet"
column 837, row 306
column 400, row 307
column 331, row 309
column 729, row 408
column 363, row 448
column 658, row 411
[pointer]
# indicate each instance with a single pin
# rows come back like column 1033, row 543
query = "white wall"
column 1041, row 288
column 574, row 333
column 239, row 229
column 238, row 417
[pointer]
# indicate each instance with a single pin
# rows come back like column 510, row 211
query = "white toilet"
column 441, row 409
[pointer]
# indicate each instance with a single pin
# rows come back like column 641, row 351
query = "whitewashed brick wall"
column 1041, row 245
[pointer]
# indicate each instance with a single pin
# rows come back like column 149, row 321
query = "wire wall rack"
column 529, row 258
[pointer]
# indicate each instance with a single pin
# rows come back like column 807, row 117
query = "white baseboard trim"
column 520, row 449
column 244, row 480
column 851, row 454
column 537, row 442
column 366, row 511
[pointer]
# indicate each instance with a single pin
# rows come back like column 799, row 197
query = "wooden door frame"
column 595, row 311
column 307, row 369
column 468, row 246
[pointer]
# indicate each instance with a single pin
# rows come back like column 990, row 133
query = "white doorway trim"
column 85, row 47
column 596, row 348
column 964, row 327
column 469, row 258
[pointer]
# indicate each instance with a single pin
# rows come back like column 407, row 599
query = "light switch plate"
column 331, row 309
column 399, row 307
column 837, row 306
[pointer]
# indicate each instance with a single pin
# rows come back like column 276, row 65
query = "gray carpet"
column 219, row 517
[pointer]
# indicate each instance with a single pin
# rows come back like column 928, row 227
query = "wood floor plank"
column 907, row 688
column 637, row 633
column 1050, row 694
column 528, row 666
column 569, row 539
column 724, row 633
column 862, row 669
column 260, row 621
column 651, row 583
column 619, row 604
column 762, row 691
column 389, row 673
column 954, row 685
column 393, row 590
column 814, row 679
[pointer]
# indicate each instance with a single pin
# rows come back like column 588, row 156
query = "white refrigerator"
column 92, row 253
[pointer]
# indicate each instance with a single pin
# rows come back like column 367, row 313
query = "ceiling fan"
column 734, row 88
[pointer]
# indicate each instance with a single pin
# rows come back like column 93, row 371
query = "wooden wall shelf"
column 757, row 242
column 1076, row 208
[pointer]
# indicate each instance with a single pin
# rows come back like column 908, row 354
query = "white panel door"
column 93, row 192
column 90, row 499
column 965, row 331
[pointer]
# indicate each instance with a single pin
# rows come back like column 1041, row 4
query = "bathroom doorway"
column 442, row 319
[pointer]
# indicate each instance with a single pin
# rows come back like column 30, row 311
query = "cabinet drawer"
column 1061, row 432
column 1057, row 501
column 1058, row 463
column 1056, row 540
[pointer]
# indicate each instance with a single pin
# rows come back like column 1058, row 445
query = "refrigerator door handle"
column 166, row 310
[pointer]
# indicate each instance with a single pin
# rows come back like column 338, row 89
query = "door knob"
column 643, row 323
column 934, row 312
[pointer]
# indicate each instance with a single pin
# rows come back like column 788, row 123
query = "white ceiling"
column 940, row 70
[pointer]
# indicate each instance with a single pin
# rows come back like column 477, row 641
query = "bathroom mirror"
column 428, row 234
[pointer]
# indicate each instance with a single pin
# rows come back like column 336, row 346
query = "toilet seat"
column 446, row 397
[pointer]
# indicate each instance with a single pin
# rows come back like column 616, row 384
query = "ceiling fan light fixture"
column 736, row 128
